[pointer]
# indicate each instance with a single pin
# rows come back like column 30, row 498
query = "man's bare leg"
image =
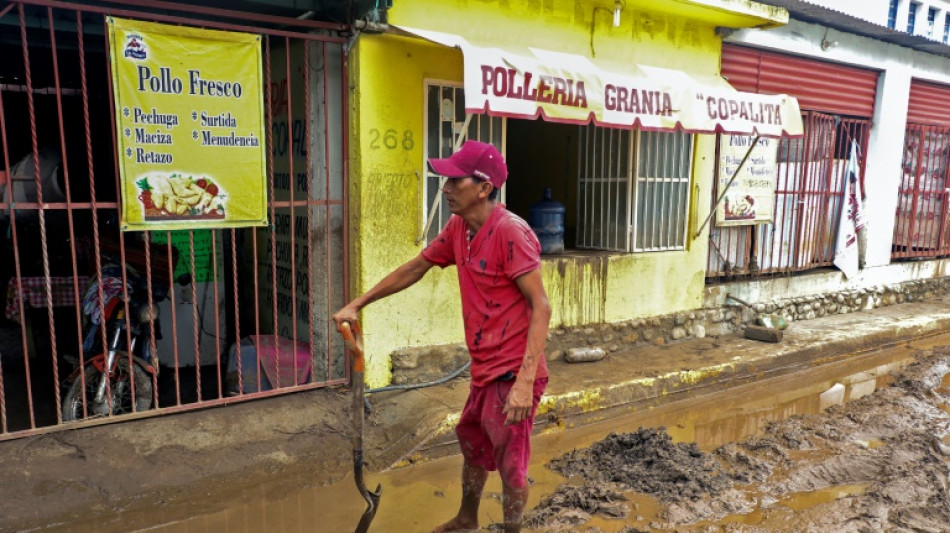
column 473, row 481
column 513, row 507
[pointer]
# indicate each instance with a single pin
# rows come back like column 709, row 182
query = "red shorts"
column 485, row 439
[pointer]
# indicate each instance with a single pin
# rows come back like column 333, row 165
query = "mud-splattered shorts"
column 485, row 439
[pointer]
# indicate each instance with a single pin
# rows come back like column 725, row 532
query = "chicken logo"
column 135, row 47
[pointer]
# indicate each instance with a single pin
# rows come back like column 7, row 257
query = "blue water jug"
column 547, row 221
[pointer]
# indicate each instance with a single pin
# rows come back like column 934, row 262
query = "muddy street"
column 759, row 457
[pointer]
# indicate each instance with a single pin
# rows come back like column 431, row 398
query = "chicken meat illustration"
column 179, row 195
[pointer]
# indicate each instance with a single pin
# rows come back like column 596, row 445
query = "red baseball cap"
column 476, row 159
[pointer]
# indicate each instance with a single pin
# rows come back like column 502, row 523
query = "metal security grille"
column 446, row 120
column 626, row 211
column 921, row 228
column 808, row 200
column 63, row 259
column 662, row 194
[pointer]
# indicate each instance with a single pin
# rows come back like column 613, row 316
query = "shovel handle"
column 353, row 338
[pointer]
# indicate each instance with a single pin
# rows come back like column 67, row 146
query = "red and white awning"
column 560, row 87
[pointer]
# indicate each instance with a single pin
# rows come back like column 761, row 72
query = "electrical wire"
column 412, row 386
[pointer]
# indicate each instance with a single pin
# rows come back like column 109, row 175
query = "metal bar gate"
column 809, row 192
column 921, row 226
column 197, row 317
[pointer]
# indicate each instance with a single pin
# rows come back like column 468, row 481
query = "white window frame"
column 617, row 169
column 481, row 127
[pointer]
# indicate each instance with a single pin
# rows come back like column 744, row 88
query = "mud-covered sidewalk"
column 878, row 463
column 165, row 462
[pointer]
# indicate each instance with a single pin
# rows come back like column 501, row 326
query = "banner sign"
column 571, row 88
column 851, row 219
column 190, row 126
column 751, row 198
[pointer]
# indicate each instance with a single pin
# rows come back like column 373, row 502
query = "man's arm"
column 399, row 279
column 520, row 399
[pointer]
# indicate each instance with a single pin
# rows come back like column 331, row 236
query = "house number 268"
column 390, row 140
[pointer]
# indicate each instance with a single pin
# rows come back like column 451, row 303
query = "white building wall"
column 898, row 65
column 876, row 11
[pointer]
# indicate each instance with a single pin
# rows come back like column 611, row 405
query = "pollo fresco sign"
column 751, row 197
column 190, row 126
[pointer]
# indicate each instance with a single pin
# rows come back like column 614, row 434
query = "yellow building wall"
column 387, row 172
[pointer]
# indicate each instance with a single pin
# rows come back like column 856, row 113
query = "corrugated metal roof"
column 815, row 14
column 818, row 85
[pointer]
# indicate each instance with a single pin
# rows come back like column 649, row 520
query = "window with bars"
column 946, row 28
column 912, row 17
column 445, row 120
column 931, row 22
column 633, row 189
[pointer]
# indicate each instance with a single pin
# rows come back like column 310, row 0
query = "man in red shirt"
column 506, row 314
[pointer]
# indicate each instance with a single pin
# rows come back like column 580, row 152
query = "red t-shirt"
column 495, row 313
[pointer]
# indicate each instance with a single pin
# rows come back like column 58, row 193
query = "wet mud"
column 878, row 463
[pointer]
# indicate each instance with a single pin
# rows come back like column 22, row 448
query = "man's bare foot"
column 457, row 524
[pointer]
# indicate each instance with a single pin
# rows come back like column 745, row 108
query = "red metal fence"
column 74, row 285
column 920, row 228
column 808, row 201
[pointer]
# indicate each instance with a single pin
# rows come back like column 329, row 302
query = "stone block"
column 699, row 331
column 584, row 355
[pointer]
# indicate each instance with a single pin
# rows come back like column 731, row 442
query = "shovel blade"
column 372, row 504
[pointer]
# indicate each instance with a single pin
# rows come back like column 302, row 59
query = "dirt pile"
column 647, row 461
column 879, row 463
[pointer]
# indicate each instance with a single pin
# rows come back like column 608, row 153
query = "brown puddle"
column 419, row 497
column 794, row 502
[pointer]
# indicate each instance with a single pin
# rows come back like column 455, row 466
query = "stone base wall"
column 427, row 363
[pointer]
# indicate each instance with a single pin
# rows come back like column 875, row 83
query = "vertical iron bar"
column 40, row 210
column 237, row 306
column 69, row 211
column 118, row 189
column 16, row 259
column 173, row 304
column 915, row 195
column 308, row 113
column 196, row 317
column 293, row 233
column 613, row 148
column 273, row 216
column 153, row 360
column 92, row 195
column 217, row 311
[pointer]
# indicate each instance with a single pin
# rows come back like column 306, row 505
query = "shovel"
column 353, row 338
column 769, row 328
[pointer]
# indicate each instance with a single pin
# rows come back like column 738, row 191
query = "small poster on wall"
column 189, row 125
column 751, row 197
